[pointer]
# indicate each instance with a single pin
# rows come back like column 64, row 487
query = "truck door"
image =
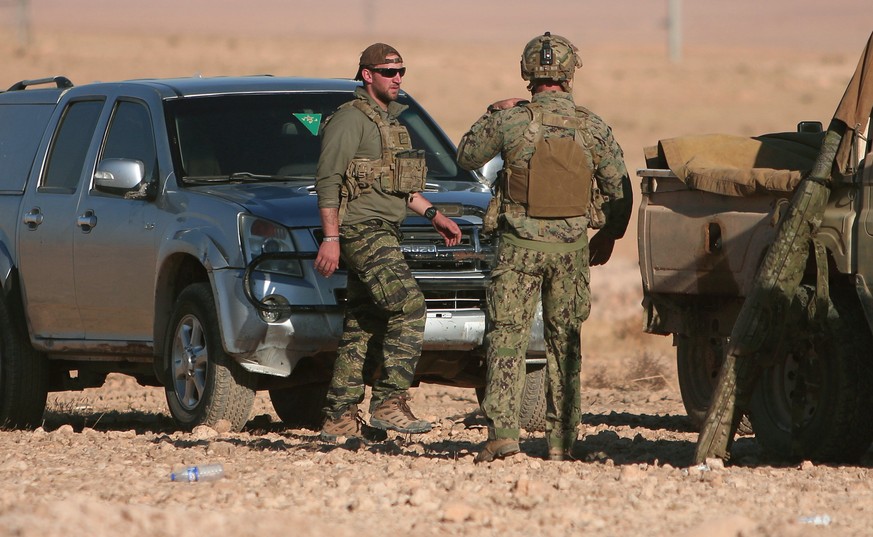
column 48, row 224
column 114, row 243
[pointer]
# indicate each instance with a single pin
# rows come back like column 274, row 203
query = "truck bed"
column 693, row 242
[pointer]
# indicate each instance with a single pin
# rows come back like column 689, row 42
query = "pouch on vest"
column 343, row 204
column 559, row 182
column 489, row 220
column 409, row 174
column 361, row 175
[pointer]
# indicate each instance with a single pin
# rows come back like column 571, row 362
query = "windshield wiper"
column 249, row 176
column 243, row 177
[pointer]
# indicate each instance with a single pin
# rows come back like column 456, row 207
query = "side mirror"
column 119, row 174
column 489, row 171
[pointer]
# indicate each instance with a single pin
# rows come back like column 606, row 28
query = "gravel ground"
column 100, row 466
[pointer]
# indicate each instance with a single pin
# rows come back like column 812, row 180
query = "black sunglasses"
column 389, row 72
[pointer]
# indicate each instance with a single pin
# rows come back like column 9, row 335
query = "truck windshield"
column 268, row 137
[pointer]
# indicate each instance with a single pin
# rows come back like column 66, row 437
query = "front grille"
column 446, row 299
column 451, row 277
column 426, row 251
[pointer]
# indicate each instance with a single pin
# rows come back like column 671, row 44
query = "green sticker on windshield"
column 310, row 121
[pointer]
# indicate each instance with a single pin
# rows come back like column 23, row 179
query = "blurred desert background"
column 744, row 67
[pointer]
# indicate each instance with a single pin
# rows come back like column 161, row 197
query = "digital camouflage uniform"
column 542, row 258
column 385, row 315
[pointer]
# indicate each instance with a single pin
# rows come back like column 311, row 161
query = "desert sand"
column 99, row 466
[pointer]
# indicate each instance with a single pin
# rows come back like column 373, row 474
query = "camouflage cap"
column 377, row 54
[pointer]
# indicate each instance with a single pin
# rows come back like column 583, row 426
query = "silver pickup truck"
column 165, row 229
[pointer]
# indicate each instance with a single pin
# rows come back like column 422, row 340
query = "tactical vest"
column 558, row 181
column 400, row 170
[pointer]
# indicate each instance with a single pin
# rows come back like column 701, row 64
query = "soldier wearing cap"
column 563, row 174
column 367, row 178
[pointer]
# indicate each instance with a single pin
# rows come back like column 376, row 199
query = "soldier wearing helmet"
column 367, row 178
column 550, row 57
column 563, row 173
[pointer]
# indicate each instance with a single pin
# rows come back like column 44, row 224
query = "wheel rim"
column 795, row 378
column 190, row 362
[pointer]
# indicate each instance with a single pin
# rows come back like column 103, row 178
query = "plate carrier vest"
column 558, row 182
column 400, row 170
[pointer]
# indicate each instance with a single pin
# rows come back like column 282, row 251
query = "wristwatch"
column 430, row 213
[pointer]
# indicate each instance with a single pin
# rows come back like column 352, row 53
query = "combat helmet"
column 550, row 57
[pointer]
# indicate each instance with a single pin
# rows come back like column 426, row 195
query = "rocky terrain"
column 100, row 466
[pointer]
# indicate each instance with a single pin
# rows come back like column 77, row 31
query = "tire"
column 205, row 384
column 829, row 375
column 698, row 361
column 301, row 406
column 23, row 375
column 533, row 401
column 532, row 416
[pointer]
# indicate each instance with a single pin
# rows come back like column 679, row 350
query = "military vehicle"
column 756, row 255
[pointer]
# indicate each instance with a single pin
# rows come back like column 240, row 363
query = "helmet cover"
column 549, row 57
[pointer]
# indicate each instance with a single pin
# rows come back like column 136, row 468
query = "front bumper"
column 314, row 320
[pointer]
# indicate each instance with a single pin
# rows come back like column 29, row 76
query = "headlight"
column 259, row 236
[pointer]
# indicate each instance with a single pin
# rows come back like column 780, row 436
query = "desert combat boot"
column 394, row 414
column 349, row 424
column 498, row 448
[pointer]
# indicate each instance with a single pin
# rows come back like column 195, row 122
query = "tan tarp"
column 854, row 108
column 740, row 166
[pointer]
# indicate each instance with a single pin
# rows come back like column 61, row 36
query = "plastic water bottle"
column 817, row 520
column 190, row 474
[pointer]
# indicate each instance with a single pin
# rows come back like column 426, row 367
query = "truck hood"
column 296, row 205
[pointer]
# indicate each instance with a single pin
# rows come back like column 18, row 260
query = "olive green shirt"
column 502, row 131
column 349, row 134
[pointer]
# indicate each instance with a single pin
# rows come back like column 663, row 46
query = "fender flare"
column 195, row 245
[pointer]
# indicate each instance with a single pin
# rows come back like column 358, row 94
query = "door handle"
column 87, row 221
column 33, row 218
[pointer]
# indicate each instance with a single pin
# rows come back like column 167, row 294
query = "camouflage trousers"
column 522, row 277
column 383, row 329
